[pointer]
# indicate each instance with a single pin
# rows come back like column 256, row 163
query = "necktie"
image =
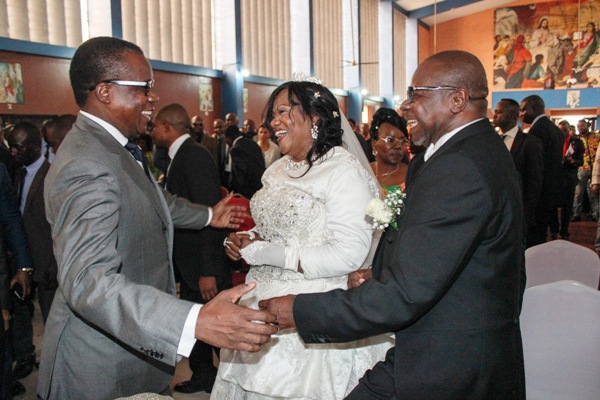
column 135, row 150
column 503, row 136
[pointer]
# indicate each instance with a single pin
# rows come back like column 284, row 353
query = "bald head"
column 170, row 122
column 461, row 69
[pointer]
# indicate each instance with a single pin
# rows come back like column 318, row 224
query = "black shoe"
column 17, row 388
column 553, row 236
column 576, row 218
column 24, row 366
column 193, row 386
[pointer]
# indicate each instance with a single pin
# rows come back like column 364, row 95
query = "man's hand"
column 595, row 189
column 6, row 318
column 224, row 324
column 356, row 278
column 283, row 308
column 24, row 279
column 208, row 287
column 227, row 216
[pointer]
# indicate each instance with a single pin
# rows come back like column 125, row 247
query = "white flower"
column 335, row 114
column 384, row 212
column 317, row 94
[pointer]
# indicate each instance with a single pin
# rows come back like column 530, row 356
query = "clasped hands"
column 236, row 241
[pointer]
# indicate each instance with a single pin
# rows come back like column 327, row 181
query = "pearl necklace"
column 293, row 165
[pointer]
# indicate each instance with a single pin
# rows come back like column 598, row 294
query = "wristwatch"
column 29, row 270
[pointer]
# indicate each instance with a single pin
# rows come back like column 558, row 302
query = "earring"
column 374, row 153
column 314, row 131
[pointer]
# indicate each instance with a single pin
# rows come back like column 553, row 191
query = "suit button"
column 164, row 228
column 159, row 355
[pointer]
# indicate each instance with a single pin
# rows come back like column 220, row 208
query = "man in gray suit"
column 115, row 328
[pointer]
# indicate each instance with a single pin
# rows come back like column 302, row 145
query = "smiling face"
column 393, row 152
column 128, row 107
column 291, row 127
column 427, row 111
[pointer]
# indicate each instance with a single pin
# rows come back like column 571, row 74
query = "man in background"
column 198, row 257
column 532, row 111
column 202, row 137
column 527, row 153
column 60, row 127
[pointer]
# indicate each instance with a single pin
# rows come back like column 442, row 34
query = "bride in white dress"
column 310, row 232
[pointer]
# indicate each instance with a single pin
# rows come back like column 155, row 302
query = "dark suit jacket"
column 38, row 229
column 193, row 175
column 552, row 142
column 247, row 167
column 448, row 282
column 11, row 223
column 528, row 155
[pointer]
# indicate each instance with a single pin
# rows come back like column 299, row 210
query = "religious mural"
column 11, row 79
column 547, row 45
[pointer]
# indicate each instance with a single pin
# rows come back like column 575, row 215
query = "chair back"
column 560, row 260
column 560, row 325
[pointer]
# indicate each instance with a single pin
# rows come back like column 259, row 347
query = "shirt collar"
column 538, row 118
column 174, row 147
column 433, row 147
column 512, row 132
column 34, row 166
column 114, row 132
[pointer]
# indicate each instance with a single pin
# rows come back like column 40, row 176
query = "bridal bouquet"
column 384, row 212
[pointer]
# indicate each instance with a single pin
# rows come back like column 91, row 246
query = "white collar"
column 114, row 132
column 433, row 147
column 174, row 147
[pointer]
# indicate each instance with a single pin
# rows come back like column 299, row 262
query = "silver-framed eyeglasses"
column 393, row 140
column 410, row 92
column 147, row 85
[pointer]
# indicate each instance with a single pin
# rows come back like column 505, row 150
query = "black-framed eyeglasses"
column 412, row 89
column 392, row 140
column 147, row 85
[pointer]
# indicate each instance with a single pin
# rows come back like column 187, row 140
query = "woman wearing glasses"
column 390, row 145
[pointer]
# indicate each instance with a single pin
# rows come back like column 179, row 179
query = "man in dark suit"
column 449, row 282
column 26, row 141
column 115, row 327
column 532, row 112
column 13, row 233
column 204, row 138
column 198, row 257
column 528, row 156
column 246, row 163
column 222, row 149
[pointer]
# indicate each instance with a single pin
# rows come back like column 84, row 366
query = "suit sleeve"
column 84, row 203
column 534, row 165
column 12, row 224
column 417, row 264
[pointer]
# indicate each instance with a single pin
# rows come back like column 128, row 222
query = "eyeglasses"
column 410, row 93
column 147, row 85
column 392, row 140
column 198, row 124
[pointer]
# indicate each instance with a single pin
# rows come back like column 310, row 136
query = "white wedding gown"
column 319, row 219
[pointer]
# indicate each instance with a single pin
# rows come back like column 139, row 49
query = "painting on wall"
column 547, row 45
column 206, row 95
column 11, row 87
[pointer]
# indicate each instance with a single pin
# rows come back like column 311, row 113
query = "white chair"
column 560, row 324
column 559, row 260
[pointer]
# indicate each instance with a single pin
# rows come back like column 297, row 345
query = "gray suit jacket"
column 115, row 323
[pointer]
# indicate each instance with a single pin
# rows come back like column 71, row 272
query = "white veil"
column 353, row 146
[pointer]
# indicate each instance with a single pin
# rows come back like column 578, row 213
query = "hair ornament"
column 317, row 95
column 302, row 77
column 335, row 114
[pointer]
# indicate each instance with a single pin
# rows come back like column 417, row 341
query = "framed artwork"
column 206, row 95
column 556, row 42
column 573, row 97
column 11, row 83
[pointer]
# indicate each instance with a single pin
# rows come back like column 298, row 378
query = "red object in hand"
column 239, row 200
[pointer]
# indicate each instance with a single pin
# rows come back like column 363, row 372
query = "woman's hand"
column 356, row 278
column 236, row 242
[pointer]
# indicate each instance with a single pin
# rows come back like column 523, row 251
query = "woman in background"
column 269, row 149
column 390, row 145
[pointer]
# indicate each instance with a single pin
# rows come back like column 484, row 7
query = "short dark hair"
column 535, row 102
column 96, row 60
column 32, row 132
column 232, row 131
column 386, row 115
column 512, row 107
column 315, row 100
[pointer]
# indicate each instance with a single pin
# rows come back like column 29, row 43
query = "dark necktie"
column 135, row 150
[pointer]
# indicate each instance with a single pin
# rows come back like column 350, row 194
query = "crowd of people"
column 140, row 197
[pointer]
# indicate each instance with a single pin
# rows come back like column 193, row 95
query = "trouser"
column 568, row 194
column 583, row 186
column 6, row 358
column 22, row 328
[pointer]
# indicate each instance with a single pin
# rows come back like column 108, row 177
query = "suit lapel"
column 517, row 142
column 36, row 184
column 130, row 167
